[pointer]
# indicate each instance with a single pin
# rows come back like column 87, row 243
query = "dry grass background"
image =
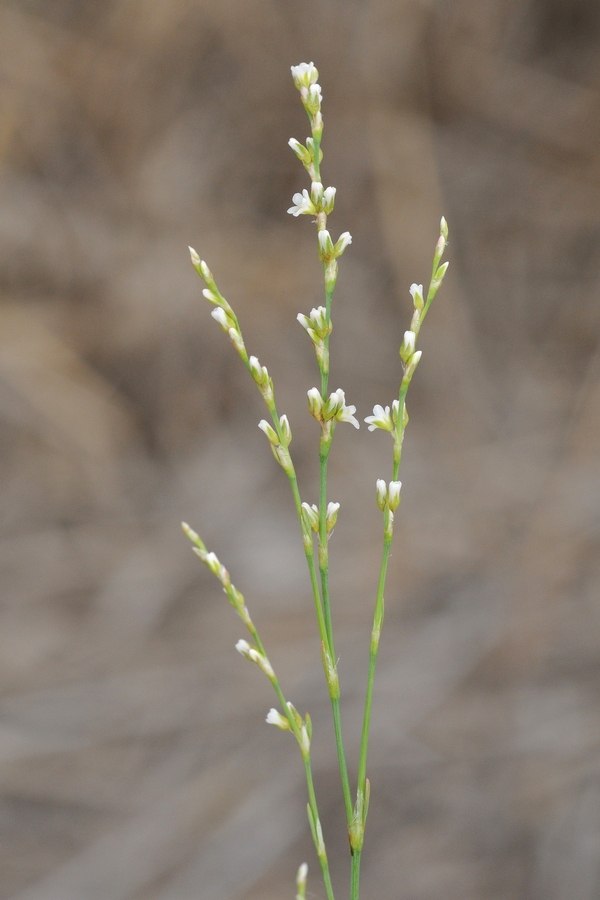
column 134, row 760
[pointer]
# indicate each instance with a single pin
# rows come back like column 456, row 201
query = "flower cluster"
column 333, row 409
column 310, row 517
column 223, row 312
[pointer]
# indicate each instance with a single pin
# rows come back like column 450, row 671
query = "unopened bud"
column 315, row 403
column 332, row 514
column 381, row 493
column 269, row 431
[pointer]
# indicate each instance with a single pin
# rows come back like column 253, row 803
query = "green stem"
column 312, row 798
column 355, row 875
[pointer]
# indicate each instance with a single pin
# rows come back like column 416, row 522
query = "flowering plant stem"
column 320, row 520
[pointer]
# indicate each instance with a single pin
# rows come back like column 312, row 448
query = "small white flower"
column 275, row 718
column 304, row 742
column 303, row 205
column 416, row 292
column 328, row 199
column 269, row 431
column 285, row 427
column 315, row 96
column 331, row 517
column 381, row 418
column 310, row 515
column 304, row 74
column 316, row 194
column 407, row 348
column 243, row 647
column 394, row 494
column 342, row 242
column 220, row 316
column 325, row 244
column 346, row 413
column 211, row 296
column 300, row 150
column 315, row 403
column 381, row 493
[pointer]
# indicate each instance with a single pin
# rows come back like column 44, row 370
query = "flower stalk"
column 317, row 521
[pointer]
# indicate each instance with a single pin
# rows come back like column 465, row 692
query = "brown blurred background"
column 134, row 759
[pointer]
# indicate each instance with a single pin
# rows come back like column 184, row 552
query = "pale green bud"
column 316, row 194
column 310, row 515
column 220, row 316
column 416, row 292
column 332, row 514
column 315, row 403
column 381, row 493
column 408, row 346
column 328, row 200
column 269, row 431
column 326, row 250
column 301, row 151
column 275, row 718
column 340, row 245
column 394, row 494
column 301, row 882
column 285, row 428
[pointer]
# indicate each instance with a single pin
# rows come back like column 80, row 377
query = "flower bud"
column 328, row 199
column 220, row 316
column 342, row 242
column 394, row 494
column 310, row 515
column 381, row 493
column 315, row 403
column 275, row 718
column 416, row 292
column 325, row 244
column 285, row 428
column 316, row 194
column 332, row 514
column 269, row 431
column 300, row 150
column 408, row 346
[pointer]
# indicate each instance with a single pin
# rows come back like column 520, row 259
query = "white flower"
column 285, row 428
column 315, row 403
column 300, row 150
column 416, row 292
column 342, row 242
column 325, row 244
column 331, row 517
column 304, row 74
column 407, row 349
column 310, row 514
column 243, row 647
column 346, row 413
column 381, row 418
column 394, row 494
column 314, row 95
column 220, row 316
column 269, row 431
column 316, row 194
column 275, row 718
column 328, row 199
column 303, row 205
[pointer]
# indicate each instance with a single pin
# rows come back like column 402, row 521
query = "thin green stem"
column 355, row 875
column 312, row 798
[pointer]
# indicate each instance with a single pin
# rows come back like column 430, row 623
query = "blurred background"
column 134, row 759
